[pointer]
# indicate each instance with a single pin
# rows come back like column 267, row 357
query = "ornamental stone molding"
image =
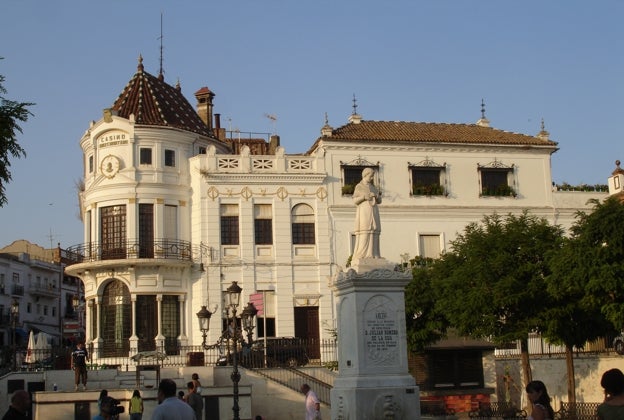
column 247, row 193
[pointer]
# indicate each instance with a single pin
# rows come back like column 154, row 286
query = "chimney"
column 204, row 98
column 274, row 143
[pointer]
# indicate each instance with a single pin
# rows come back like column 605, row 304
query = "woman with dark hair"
column 613, row 406
column 538, row 395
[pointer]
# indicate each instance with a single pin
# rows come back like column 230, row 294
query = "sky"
column 403, row 60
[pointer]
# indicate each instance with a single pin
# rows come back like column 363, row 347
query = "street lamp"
column 232, row 299
column 14, row 318
column 79, row 305
column 204, row 324
column 247, row 316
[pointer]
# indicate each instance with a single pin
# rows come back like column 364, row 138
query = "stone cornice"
column 282, row 193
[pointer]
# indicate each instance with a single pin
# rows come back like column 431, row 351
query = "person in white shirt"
column 312, row 403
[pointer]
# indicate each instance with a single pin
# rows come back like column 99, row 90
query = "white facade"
column 168, row 234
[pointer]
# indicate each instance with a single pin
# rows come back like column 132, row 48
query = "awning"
column 49, row 331
column 22, row 333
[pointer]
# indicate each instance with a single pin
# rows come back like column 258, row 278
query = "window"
column 145, row 156
column 266, row 320
column 54, row 311
column 429, row 246
column 171, row 222
column 146, row 230
column 115, row 319
column 456, row 369
column 302, row 225
column 427, row 178
column 495, row 179
column 263, row 224
column 170, row 158
column 202, row 150
column 45, row 310
column 29, row 307
column 229, row 224
column 352, row 174
column 91, row 164
column 113, row 231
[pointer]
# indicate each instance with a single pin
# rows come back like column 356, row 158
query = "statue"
column 367, row 226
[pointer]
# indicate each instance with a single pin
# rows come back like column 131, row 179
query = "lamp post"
column 232, row 301
column 79, row 305
column 14, row 318
column 204, row 324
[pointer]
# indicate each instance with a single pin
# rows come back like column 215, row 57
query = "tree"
column 491, row 284
column 10, row 113
column 425, row 323
column 586, row 283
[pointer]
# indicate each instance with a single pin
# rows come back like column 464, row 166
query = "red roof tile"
column 154, row 102
column 419, row 132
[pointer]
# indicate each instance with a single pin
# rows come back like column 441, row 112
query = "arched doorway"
column 116, row 318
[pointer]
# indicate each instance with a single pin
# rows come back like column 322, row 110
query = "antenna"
column 161, row 72
column 273, row 119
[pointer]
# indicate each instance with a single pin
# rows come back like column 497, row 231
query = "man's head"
column 190, row 386
column 21, row 401
column 80, row 345
column 305, row 388
column 106, row 406
column 166, row 389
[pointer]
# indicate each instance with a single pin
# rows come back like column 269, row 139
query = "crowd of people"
column 180, row 406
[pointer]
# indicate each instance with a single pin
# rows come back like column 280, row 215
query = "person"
column 194, row 400
column 103, row 394
column 367, row 225
column 135, row 406
column 312, row 403
column 613, row 406
column 105, row 405
column 181, row 395
column 538, row 395
column 20, row 404
column 79, row 365
column 170, row 407
column 198, row 387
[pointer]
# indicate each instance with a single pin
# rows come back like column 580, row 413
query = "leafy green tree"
column 587, row 282
column 10, row 113
column 425, row 323
column 491, row 284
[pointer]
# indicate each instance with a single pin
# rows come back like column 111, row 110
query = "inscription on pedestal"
column 381, row 332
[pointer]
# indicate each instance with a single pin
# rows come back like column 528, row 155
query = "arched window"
column 116, row 319
column 302, row 225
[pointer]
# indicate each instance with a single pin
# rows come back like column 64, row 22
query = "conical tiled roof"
column 154, row 102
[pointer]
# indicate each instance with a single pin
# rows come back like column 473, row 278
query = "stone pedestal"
column 373, row 382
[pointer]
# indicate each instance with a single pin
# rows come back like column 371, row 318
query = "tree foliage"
column 425, row 323
column 11, row 112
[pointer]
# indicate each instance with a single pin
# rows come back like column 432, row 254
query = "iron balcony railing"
column 129, row 249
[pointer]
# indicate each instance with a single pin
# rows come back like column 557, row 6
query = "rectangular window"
column 429, row 246
column 456, row 369
column 171, row 222
column 145, row 156
column 229, row 224
column 170, row 158
column 54, row 311
column 352, row 175
column 426, row 181
column 263, row 224
column 202, row 150
column 29, row 307
column 91, row 164
column 268, row 316
column 113, row 231
column 495, row 182
column 45, row 310
column 146, row 231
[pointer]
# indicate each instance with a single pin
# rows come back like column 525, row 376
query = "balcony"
column 44, row 290
column 17, row 290
column 130, row 249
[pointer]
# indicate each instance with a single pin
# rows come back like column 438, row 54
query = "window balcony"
column 171, row 249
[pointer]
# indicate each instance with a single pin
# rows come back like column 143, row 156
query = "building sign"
column 112, row 138
column 381, row 331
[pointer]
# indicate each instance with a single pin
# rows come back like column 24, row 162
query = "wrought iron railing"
column 129, row 249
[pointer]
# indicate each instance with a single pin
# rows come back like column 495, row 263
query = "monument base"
column 373, row 380
column 397, row 403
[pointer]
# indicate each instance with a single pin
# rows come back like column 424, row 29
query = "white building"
column 172, row 216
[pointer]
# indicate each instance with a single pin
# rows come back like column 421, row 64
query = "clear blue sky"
column 407, row 60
